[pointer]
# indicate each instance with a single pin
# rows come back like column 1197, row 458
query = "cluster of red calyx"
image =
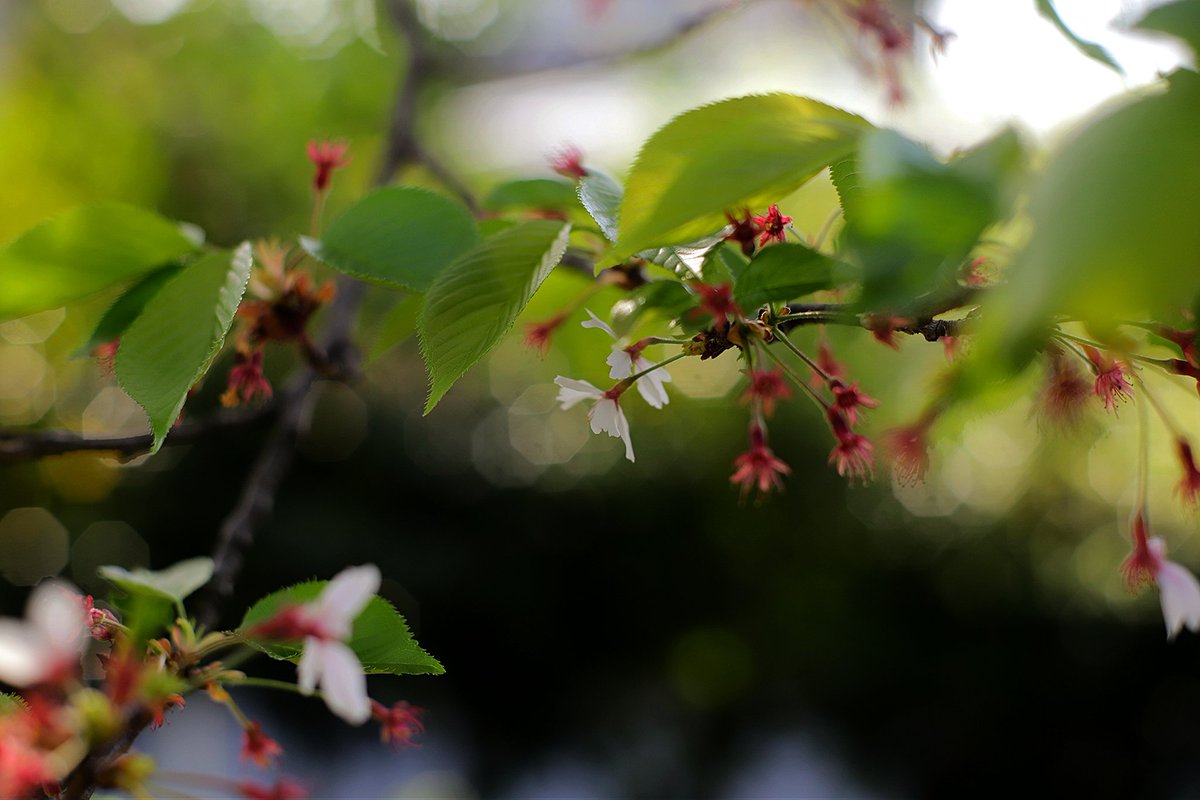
column 755, row 231
column 279, row 303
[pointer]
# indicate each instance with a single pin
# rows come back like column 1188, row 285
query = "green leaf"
column 1115, row 235
column 601, row 197
column 783, row 272
column 476, row 300
column 173, row 583
column 83, row 251
column 1181, row 20
column 667, row 299
column 686, row 261
column 121, row 314
column 540, row 193
column 171, row 345
column 380, row 637
column 399, row 236
column 917, row 219
column 847, row 182
column 11, row 703
column 744, row 152
column 1090, row 49
column 399, row 323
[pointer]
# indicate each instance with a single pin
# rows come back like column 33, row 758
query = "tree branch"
column 25, row 445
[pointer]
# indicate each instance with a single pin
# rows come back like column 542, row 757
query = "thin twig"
column 25, row 445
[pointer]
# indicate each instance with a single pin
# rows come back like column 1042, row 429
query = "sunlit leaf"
column 170, row 346
column 916, row 219
column 477, row 299
column 381, row 638
column 83, row 251
column 1114, row 214
column 400, row 236
column 744, row 152
column 1180, row 19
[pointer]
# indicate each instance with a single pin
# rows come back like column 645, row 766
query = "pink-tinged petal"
column 572, row 391
column 1179, row 592
column 343, row 684
column 345, row 596
column 310, row 666
column 22, row 654
column 596, row 322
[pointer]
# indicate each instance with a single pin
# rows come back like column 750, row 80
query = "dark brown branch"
column 26, row 445
column 83, row 780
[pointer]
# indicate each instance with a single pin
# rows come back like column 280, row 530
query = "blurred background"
column 608, row 629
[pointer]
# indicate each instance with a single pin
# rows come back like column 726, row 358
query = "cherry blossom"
column 626, row 361
column 325, row 625
column 1178, row 589
column 605, row 414
column 48, row 645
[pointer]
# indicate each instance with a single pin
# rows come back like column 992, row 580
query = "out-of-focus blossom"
column 1178, row 589
column 48, row 644
column 326, row 156
column 398, row 724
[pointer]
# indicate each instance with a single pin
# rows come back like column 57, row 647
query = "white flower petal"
column 603, row 416
column 23, row 654
column 310, row 665
column 572, row 391
column 650, row 385
column 596, row 322
column 343, row 684
column 623, row 432
column 1179, row 592
column 345, row 596
column 621, row 365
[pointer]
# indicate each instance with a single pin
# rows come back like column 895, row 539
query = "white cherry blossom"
column 625, row 361
column 1178, row 591
column 327, row 661
column 605, row 414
